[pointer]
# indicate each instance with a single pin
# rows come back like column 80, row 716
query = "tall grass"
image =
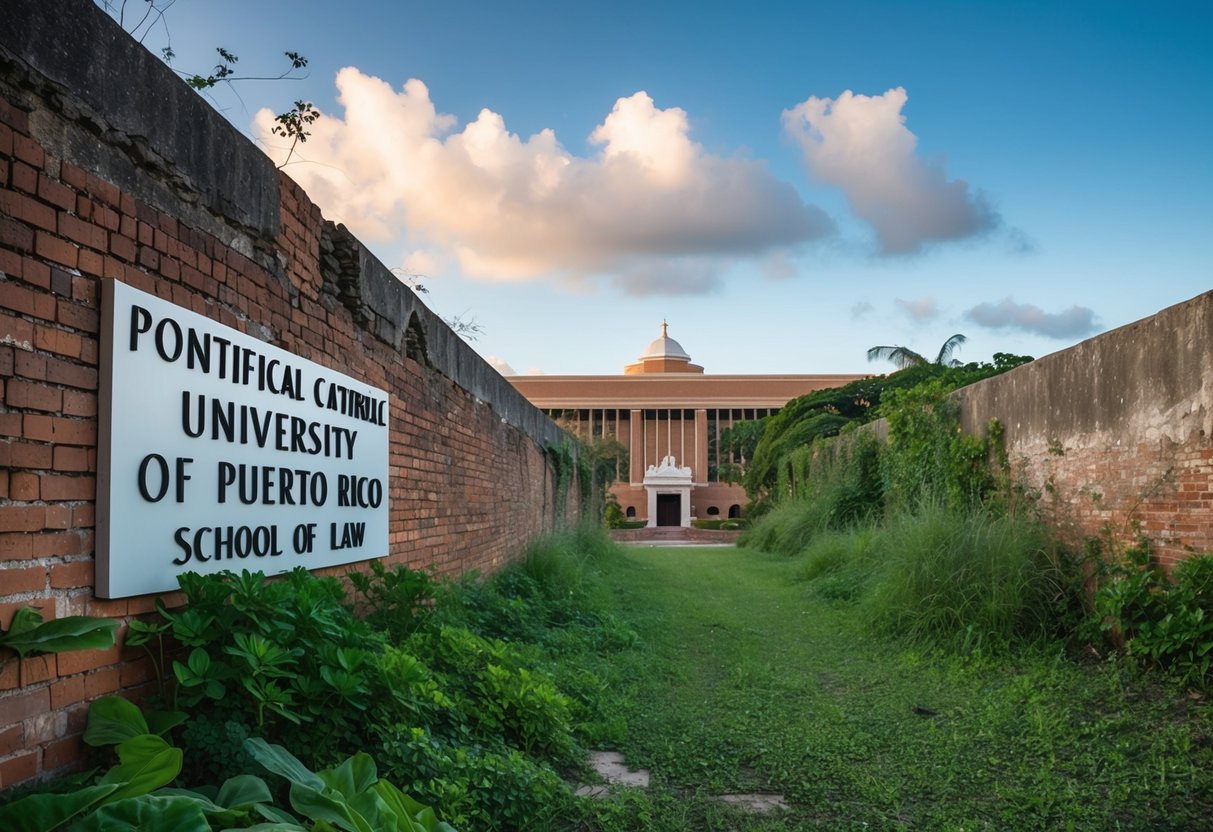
column 969, row 574
column 944, row 575
column 558, row 563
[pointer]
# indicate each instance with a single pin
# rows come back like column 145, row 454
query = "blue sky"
column 797, row 182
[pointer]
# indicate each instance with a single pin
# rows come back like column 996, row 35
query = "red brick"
column 103, row 681
column 28, row 150
column 84, row 289
column 88, row 350
column 59, row 754
column 15, row 235
column 3, row 484
column 36, row 273
column 75, row 431
column 68, row 374
column 57, row 341
column 36, row 669
column 25, row 208
column 22, row 518
column 67, row 691
column 22, row 299
column 17, row 331
column 19, row 546
column 84, row 516
column 78, row 661
column 29, row 396
column 71, row 459
column 10, row 263
column 22, row 579
column 23, row 486
column 78, row 231
column 15, row 118
column 76, row 403
column 75, row 316
column 103, row 190
column 29, row 365
column 22, row 706
column 25, row 455
column 24, row 178
column 56, row 250
column 91, row 262
column 107, row 218
column 56, row 193
column 11, row 740
column 72, row 175
column 18, row 769
column 58, row 517
column 149, row 258
column 72, row 575
column 56, row 487
column 6, row 140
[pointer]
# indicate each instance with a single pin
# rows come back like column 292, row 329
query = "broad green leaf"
column 275, row 815
column 147, row 813
column 24, row 620
column 354, row 776
column 161, row 722
column 43, row 812
column 277, row 759
column 328, row 806
column 243, row 790
column 75, row 632
column 146, row 763
column 112, row 720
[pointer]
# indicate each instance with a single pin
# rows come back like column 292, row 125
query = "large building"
column 669, row 415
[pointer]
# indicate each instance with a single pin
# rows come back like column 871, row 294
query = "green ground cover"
column 750, row 679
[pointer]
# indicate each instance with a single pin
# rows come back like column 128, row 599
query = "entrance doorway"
column 669, row 509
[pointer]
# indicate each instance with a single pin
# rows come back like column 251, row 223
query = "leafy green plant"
column 350, row 797
column 396, row 600
column 1166, row 620
column 28, row 633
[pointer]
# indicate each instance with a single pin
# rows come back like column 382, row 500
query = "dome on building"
column 665, row 347
column 665, row 355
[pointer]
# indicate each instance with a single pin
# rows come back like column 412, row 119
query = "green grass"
column 749, row 680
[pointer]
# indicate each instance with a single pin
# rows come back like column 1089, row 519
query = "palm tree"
column 905, row 357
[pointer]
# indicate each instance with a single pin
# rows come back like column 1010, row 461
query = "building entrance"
column 669, row 509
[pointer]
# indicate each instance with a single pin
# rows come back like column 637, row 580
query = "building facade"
column 669, row 415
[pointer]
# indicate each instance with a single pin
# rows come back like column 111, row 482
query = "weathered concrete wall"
column 1116, row 431
column 112, row 169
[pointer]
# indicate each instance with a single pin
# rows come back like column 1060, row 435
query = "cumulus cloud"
column 1075, row 322
column 860, row 144
column 861, row 310
column 500, row 366
column 508, row 208
column 919, row 310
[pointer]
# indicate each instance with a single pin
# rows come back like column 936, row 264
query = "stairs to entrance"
column 674, row 536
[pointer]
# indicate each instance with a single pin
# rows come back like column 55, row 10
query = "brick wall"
column 1115, row 432
column 111, row 169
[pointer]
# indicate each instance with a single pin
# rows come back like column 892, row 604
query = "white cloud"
column 1075, row 322
column 861, row 310
column 500, row 366
column 860, row 144
column 919, row 310
column 508, row 208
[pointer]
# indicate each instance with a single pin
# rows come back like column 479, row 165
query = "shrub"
column 1167, row 621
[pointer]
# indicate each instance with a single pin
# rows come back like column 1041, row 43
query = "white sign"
column 218, row 451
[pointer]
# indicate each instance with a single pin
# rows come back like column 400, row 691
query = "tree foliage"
column 828, row 412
